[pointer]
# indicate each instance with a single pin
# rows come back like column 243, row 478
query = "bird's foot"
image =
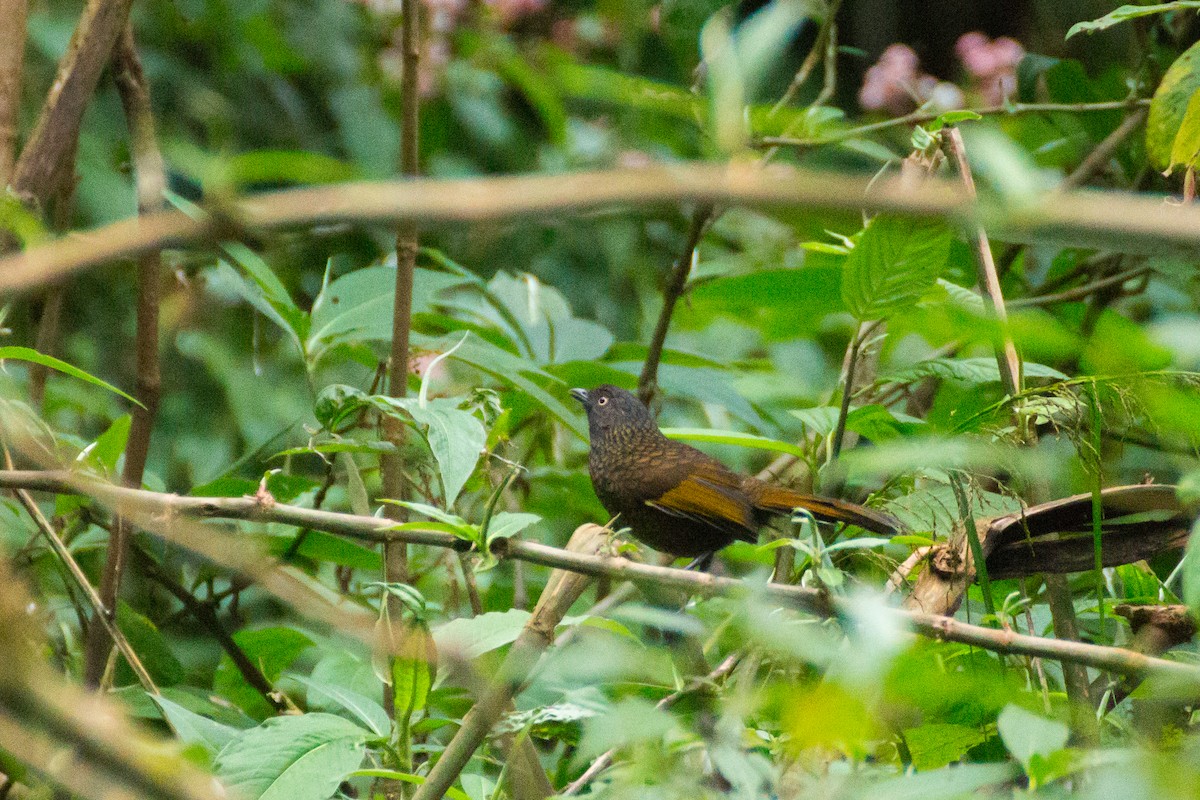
column 702, row 563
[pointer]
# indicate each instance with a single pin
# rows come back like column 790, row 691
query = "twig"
column 604, row 761
column 1009, row 364
column 53, row 138
column 395, row 555
column 99, row 612
column 207, row 616
column 375, row 529
column 648, row 380
column 989, row 281
column 811, row 59
column 926, row 115
column 150, row 180
column 1080, row 292
column 472, row 586
column 1096, row 159
column 12, row 61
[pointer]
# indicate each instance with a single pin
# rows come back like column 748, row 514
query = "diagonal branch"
column 648, row 380
column 39, row 169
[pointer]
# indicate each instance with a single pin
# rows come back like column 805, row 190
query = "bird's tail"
column 782, row 501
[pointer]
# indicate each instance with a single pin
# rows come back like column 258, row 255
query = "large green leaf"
column 1170, row 105
column 292, row 758
column 272, row 650
column 455, row 437
column 896, row 261
column 324, row 696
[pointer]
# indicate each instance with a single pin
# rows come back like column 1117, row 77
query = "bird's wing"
column 711, row 498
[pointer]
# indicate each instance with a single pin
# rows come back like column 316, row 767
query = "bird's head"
column 614, row 411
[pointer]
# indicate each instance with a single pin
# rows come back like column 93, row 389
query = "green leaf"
column 151, row 647
column 782, row 303
column 108, row 447
column 1191, row 571
column 192, row 729
column 301, row 757
column 895, row 262
column 455, row 437
column 969, row 371
column 735, row 438
column 1126, row 13
column 287, row 166
column 412, row 672
column 327, row 696
column 952, row 118
column 937, row 744
column 470, row 637
column 1026, row 734
column 1169, row 106
column 50, row 362
column 408, row 777
column 1186, row 147
column 506, row 524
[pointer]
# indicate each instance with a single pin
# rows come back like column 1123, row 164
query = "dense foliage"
column 836, row 351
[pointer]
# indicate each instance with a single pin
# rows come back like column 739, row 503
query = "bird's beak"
column 581, row 395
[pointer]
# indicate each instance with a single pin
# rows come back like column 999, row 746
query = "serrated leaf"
column 895, row 263
column 970, row 371
column 456, row 438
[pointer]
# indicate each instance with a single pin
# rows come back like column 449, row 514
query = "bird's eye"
column 603, row 401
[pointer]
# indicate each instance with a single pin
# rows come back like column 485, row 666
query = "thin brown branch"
column 648, row 380
column 922, row 115
column 1081, row 292
column 150, row 182
column 1103, row 152
column 12, row 62
column 99, row 611
column 206, row 615
column 1120, row 221
column 604, row 761
column 989, row 280
column 50, row 144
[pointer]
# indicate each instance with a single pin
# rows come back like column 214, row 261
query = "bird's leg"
column 701, row 563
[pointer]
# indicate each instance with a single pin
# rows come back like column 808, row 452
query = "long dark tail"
column 778, row 500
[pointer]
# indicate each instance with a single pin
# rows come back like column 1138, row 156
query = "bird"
column 681, row 501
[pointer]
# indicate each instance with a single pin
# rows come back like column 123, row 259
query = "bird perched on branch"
column 679, row 500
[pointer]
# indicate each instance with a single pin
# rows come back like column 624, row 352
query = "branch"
column 376, row 530
column 12, row 61
column 925, row 115
column 1080, row 292
column 207, row 616
column 53, row 139
column 1099, row 157
column 648, row 380
column 150, row 182
column 1124, row 222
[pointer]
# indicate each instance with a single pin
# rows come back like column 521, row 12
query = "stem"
column 150, row 178
column 12, row 62
column 1103, row 152
column 395, row 553
column 648, row 380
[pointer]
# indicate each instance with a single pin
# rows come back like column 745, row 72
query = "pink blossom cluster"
column 896, row 84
